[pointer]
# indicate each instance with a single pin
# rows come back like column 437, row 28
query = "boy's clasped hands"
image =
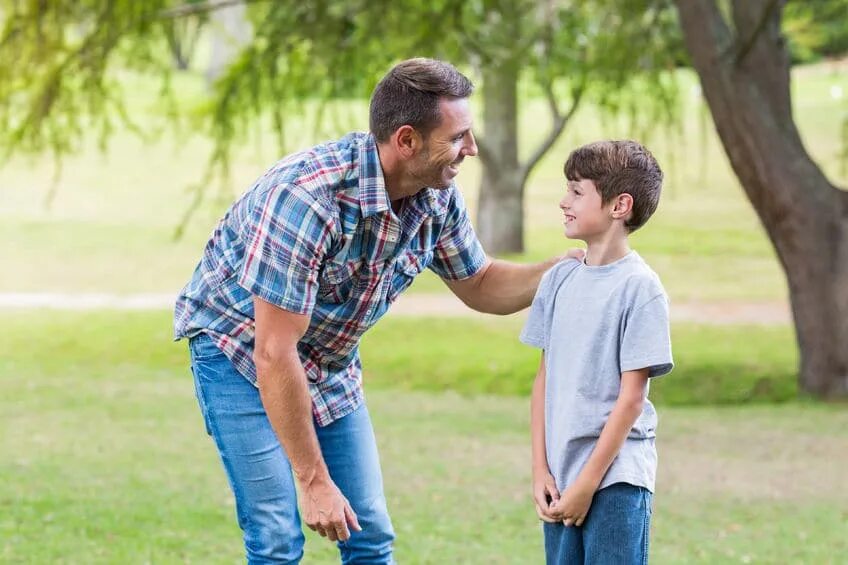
column 570, row 508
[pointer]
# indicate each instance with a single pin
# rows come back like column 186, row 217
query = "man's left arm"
column 503, row 287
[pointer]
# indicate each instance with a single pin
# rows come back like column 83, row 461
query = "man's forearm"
column 285, row 396
column 506, row 287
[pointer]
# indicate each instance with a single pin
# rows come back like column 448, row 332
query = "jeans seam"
column 646, row 528
column 213, row 432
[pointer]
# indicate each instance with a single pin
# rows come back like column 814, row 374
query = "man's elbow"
column 270, row 360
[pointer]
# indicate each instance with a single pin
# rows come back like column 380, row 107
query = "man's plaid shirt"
column 316, row 235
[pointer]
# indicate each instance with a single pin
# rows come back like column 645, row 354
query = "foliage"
column 816, row 29
column 77, row 53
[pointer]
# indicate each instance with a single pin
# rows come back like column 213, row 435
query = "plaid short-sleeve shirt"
column 317, row 235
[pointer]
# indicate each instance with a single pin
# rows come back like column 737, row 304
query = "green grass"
column 109, row 228
column 104, row 458
column 715, row 364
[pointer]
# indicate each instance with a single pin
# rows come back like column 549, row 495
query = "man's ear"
column 407, row 141
column 622, row 206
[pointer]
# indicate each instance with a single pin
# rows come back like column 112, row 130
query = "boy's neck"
column 608, row 249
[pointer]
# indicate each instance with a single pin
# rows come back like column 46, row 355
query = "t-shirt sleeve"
column 286, row 235
column 458, row 253
column 646, row 340
column 534, row 331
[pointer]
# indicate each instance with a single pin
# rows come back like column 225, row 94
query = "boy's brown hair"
column 619, row 167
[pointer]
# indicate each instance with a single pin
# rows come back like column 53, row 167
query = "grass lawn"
column 104, row 458
column 110, row 226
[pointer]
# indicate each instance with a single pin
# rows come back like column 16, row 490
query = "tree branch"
column 559, row 124
column 748, row 44
column 201, row 8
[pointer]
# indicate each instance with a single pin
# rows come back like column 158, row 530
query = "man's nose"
column 470, row 147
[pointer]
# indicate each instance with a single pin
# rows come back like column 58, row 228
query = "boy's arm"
column 545, row 491
column 575, row 501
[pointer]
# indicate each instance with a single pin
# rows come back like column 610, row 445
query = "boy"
column 602, row 325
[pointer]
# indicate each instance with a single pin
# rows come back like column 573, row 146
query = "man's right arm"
column 285, row 396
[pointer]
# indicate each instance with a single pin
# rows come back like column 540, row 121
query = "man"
column 300, row 266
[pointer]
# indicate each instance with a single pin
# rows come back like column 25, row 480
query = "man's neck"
column 398, row 183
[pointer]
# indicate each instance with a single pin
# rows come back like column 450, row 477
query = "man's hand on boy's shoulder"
column 575, row 253
column 545, row 494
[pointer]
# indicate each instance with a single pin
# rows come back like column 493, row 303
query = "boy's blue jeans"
column 615, row 531
column 260, row 474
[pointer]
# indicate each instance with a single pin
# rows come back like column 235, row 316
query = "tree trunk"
column 500, row 209
column 745, row 79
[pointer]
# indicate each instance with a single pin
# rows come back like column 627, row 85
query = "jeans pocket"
column 205, row 360
column 202, row 348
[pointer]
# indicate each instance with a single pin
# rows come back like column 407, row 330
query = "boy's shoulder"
column 553, row 277
column 642, row 281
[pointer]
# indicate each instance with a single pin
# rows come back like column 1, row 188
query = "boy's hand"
column 546, row 495
column 574, row 503
column 575, row 253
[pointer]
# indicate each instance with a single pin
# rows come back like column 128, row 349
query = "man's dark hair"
column 619, row 167
column 409, row 95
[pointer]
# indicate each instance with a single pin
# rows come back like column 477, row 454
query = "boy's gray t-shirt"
column 594, row 323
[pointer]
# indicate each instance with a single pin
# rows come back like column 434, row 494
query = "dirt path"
column 443, row 305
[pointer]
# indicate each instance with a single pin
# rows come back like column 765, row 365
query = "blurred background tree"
column 743, row 62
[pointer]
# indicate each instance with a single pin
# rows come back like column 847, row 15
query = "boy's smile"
column 585, row 216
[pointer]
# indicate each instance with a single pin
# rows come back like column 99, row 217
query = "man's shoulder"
column 320, row 165
column 314, row 174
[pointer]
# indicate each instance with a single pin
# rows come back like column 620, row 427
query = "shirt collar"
column 433, row 202
column 373, row 197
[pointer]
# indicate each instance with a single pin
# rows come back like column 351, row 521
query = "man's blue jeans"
column 260, row 474
column 615, row 531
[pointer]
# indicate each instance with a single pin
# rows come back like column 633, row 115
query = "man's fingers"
column 341, row 532
column 351, row 519
column 579, row 521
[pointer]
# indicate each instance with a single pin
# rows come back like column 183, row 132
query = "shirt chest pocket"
column 337, row 281
column 408, row 265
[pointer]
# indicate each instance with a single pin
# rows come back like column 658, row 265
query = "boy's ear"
column 622, row 206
